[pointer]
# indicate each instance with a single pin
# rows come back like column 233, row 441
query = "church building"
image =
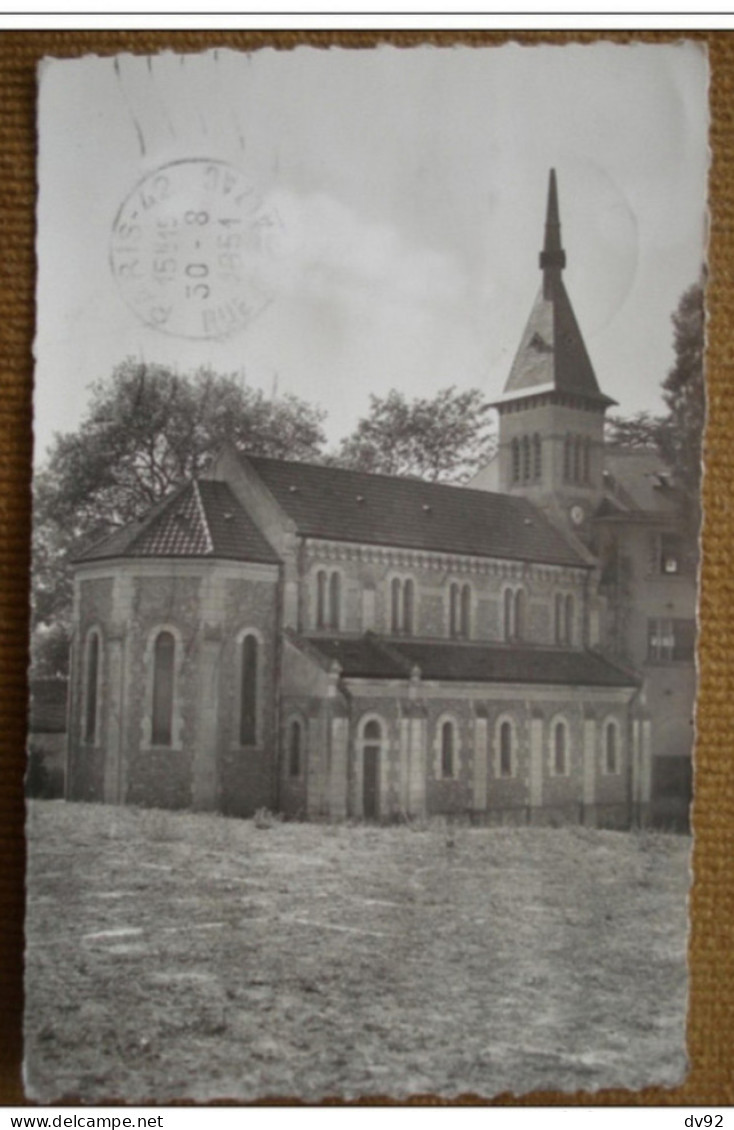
column 332, row 644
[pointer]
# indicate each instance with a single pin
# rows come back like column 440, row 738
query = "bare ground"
column 192, row 956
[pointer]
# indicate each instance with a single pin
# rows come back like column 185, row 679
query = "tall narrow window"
column 577, row 459
column 164, row 652
column 537, row 458
column 335, row 601
column 395, row 602
column 294, row 749
column 519, row 614
column 559, row 749
column 515, row 446
column 408, row 606
column 525, row 459
column 454, row 610
column 505, row 750
column 559, row 618
column 508, row 614
column 568, row 634
column 466, row 611
column 248, row 691
column 90, row 720
column 447, row 749
column 321, row 599
column 567, row 459
column 587, row 461
column 611, row 764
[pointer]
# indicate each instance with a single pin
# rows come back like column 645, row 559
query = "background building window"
column 248, row 691
column 559, row 618
column 164, row 652
column 454, row 610
column 447, row 749
column 568, row 618
column 525, row 459
column 671, row 554
column 671, row 640
column 90, row 719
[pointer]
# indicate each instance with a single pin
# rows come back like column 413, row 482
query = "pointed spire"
column 552, row 257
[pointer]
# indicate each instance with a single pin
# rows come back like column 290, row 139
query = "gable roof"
column 341, row 505
column 200, row 519
column 552, row 356
column 371, row 657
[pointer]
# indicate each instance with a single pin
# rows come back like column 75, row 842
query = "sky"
column 406, row 192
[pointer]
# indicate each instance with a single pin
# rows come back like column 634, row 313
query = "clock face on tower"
column 577, row 515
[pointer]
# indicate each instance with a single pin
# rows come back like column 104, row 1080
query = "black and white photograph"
column 368, row 427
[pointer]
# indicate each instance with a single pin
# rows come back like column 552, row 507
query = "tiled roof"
column 372, row 657
column 329, row 502
column 200, row 519
column 47, row 706
column 637, row 481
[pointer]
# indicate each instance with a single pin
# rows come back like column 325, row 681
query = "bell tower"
column 551, row 412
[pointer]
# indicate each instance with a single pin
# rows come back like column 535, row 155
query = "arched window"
column 408, row 606
column 508, row 614
column 248, row 690
column 577, row 445
column 558, row 618
column 454, row 610
column 164, row 654
column 295, row 741
column 466, row 611
column 586, row 469
column 525, row 459
column 505, row 765
column 92, row 682
column 537, row 458
column 395, row 605
column 560, row 751
column 519, row 614
column 447, row 749
column 611, row 748
column 515, row 460
column 321, row 599
column 335, row 585
column 568, row 634
column 371, row 755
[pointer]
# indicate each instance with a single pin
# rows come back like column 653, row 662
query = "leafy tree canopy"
column 146, row 430
column 442, row 438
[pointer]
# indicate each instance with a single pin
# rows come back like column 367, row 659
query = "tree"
column 146, row 430
column 685, row 395
column 638, row 431
column 442, row 438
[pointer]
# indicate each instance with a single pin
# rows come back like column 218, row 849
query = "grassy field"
column 181, row 955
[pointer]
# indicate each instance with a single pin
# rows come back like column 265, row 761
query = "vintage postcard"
column 368, row 422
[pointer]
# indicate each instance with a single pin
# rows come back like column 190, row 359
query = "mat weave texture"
column 711, row 1014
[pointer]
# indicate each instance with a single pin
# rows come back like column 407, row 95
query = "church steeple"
column 552, row 354
column 552, row 257
column 552, row 409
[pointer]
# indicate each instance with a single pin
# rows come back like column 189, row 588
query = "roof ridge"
column 203, row 515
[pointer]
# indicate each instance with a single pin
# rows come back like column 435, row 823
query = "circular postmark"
column 190, row 248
